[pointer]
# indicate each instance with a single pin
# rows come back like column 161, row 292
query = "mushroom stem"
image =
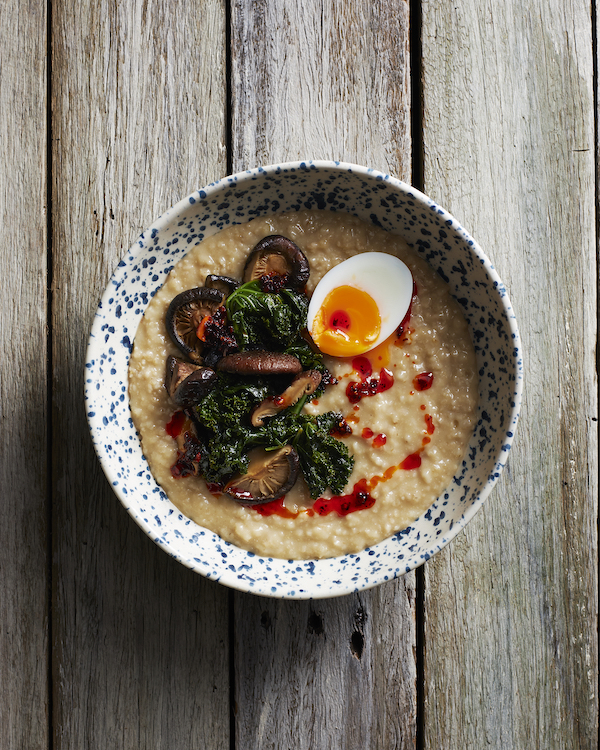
column 301, row 387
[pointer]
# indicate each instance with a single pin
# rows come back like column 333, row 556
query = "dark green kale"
column 310, row 359
column 263, row 320
column 223, row 417
column 324, row 460
column 271, row 321
column 230, row 401
column 225, row 454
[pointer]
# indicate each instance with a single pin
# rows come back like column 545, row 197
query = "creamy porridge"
column 410, row 403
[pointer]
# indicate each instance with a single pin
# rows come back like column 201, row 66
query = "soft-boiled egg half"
column 359, row 303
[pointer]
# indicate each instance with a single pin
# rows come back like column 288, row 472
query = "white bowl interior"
column 373, row 197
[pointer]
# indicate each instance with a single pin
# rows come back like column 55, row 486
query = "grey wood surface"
column 110, row 111
column 140, row 645
column 306, row 81
column 24, row 622
column 511, row 607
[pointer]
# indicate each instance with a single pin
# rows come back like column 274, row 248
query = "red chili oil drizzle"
column 340, row 320
column 408, row 464
column 341, row 429
column 411, row 462
column 358, row 499
column 368, row 385
column 386, row 380
column 429, row 423
column 379, row 440
column 363, row 367
column 367, row 433
column 175, row 426
column 214, row 488
column 273, row 508
column 188, row 459
column 423, row 381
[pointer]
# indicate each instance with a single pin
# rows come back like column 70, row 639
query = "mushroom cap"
column 224, row 284
column 269, row 476
column 187, row 383
column 184, row 315
column 278, row 254
column 260, row 363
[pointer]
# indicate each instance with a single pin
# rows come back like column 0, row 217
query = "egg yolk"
column 347, row 323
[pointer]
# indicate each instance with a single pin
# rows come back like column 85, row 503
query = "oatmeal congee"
column 408, row 406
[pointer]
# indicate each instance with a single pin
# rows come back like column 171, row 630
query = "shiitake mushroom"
column 224, row 284
column 269, row 476
column 184, row 315
column 187, row 383
column 278, row 254
column 259, row 362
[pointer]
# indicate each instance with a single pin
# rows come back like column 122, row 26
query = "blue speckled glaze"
column 373, row 197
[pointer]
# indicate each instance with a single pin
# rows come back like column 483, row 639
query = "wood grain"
column 138, row 118
column 511, row 605
column 140, row 653
column 324, row 81
column 329, row 674
column 321, row 80
column 23, row 390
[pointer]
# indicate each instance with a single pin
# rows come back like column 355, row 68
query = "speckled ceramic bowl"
column 332, row 186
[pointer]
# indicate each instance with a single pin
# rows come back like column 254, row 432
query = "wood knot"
column 315, row 624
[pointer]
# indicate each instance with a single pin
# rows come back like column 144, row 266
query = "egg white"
column 383, row 277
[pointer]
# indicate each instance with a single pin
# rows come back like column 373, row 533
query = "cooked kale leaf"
column 324, row 460
column 228, row 436
column 225, row 454
column 263, row 320
column 271, row 321
column 230, row 402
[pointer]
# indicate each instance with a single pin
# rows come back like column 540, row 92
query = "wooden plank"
column 324, row 81
column 511, row 605
column 335, row 673
column 23, row 377
column 138, row 101
column 321, row 80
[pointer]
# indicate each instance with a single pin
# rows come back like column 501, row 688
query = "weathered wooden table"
column 110, row 111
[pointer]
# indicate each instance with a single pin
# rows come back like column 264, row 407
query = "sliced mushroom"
column 186, row 383
column 224, row 284
column 260, row 363
column 184, row 315
column 270, row 475
column 278, row 254
column 303, row 385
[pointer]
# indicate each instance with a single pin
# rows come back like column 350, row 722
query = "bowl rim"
column 227, row 577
